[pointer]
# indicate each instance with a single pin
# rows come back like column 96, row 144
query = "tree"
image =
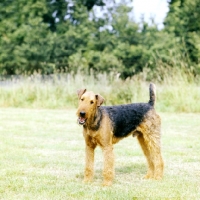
column 40, row 35
column 25, row 38
column 183, row 20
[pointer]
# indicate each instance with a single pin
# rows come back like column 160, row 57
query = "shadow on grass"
column 132, row 168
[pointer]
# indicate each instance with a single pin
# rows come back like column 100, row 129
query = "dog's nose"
column 82, row 114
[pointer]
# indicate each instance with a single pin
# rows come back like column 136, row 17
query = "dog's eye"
column 82, row 99
column 91, row 102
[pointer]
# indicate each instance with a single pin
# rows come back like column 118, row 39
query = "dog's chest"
column 95, row 137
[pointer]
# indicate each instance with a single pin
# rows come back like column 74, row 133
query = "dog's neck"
column 95, row 120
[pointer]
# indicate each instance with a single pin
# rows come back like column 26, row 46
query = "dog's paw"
column 107, row 183
column 149, row 176
column 85, row 180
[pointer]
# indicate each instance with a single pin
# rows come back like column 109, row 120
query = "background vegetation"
column 46, row 37
column 49, row 49
column 176, row 93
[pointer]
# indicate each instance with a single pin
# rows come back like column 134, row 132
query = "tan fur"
column 148, row 135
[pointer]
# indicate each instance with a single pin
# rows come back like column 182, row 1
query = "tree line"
column 50, row 36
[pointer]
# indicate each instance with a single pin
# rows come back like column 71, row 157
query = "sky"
column 150, row 8
column 147, row 8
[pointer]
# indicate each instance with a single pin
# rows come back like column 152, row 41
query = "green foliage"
column 183, row 21
column 47, row 37
column 24, row 37
column 94, row 61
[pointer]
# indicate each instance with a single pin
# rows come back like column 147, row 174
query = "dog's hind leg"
column 144, row 146
column 156, row 157
column 149, row 139
column 150, row 143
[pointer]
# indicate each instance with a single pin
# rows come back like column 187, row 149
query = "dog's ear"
column 100, row 99
column 80, row 92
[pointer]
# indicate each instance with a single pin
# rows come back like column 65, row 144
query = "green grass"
column 42, row 157
column 175, row 93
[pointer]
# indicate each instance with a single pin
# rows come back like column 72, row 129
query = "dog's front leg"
column 89, row 162
column 108, row 171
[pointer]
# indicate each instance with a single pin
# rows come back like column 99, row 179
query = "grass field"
column 42, row 157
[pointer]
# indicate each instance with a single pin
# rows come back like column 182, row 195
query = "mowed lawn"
column 42, row 157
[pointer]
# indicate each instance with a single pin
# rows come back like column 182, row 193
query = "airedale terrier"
column 106, row 125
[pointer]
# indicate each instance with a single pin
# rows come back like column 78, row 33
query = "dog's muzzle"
column 82, row 119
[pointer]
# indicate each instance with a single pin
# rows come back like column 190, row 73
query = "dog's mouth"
column 81, row 120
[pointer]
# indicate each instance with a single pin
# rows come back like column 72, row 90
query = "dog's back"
column 125, row 118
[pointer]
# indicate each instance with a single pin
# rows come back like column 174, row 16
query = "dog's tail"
column 152, row 93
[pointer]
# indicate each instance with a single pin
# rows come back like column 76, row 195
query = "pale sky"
column 150, row 8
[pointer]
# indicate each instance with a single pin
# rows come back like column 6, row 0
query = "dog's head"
column 88, row 104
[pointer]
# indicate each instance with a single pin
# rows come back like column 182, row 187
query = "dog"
column 104, row 126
